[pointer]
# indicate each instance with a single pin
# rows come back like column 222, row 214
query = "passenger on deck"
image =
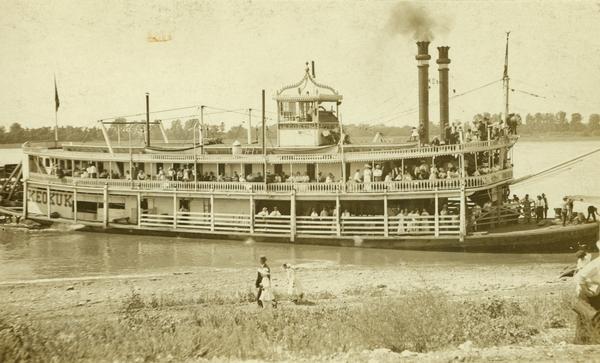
column 186, row 174
column 264, row 212
column 314, row 214
column 275, row 212
column 367, row 174
column 141, row 175
column 565, row 211
column 402, row 219
column 377, row 173
column 414, row 134
column 539, row 209
column 161, row 174
column 357, row 177
column 346, row 213
column 592, row 211
column 527, row 208
column 324, row 212
column 399, row 176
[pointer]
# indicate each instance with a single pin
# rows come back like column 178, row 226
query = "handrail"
column 349, row 156
column 283, row 188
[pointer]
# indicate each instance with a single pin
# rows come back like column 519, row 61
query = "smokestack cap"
column 443, row 55
column 423, row 52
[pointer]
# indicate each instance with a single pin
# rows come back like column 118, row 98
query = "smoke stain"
column 411, row 20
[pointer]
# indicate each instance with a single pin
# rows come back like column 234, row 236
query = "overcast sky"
column 222, row 53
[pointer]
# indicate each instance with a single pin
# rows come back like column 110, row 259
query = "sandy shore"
column 325, row 284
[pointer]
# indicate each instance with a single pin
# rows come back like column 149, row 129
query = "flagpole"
column 56, row 105
column 56, row 128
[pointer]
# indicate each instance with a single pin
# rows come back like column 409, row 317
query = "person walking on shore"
column 263, row 284
column 294, row 287
column 545, row 205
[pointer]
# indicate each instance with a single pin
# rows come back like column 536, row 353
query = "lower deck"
column 224, row 214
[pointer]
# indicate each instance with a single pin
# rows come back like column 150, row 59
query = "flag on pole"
column 56, row 100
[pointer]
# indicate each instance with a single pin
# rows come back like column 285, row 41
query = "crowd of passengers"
column 421, row 170
column 409, row 220
column 477, row 130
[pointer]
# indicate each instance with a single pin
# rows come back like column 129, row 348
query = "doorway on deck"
column 310, row 170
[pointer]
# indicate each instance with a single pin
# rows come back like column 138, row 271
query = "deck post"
column 25, row 191
column 175, row 209
column 105, row 206
column 251, row 212
column 293, row 216
column 386, row 223
column 75, row 203
column 436, row 215
column 338, row 228
column 139, row 209
column 212, row 210
column 48, row 200
column 463, row 214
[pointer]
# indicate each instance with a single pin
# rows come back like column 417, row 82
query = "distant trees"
column 178, row 130
column 540, row 123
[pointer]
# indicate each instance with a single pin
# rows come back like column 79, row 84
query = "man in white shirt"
column 275, row 212
column 264, row 212
column 377, row 173
column 93, row 171
column 539, row 209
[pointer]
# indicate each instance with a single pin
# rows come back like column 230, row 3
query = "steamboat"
column 314, row 186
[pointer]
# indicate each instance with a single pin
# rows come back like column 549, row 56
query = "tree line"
column 178, row 130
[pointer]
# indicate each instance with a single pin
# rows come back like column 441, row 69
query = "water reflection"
column 26, row 256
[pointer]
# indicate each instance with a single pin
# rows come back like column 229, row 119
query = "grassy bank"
column 162, row 328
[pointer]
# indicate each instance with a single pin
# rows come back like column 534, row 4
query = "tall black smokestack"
column 423, row 58
column 443, row 62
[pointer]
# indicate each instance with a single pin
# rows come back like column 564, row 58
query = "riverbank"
column 352, row 313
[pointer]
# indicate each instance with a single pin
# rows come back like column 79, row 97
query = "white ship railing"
column 349, row 156
column 300, row 188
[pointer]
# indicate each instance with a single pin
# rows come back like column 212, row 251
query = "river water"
column 48, row 255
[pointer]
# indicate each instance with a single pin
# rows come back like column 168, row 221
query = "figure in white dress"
column 295, row 291
column 263, row 284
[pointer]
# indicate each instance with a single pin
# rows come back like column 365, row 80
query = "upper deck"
column 251, row 154
column 334, row 157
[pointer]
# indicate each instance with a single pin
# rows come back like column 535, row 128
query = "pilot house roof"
column 307, row 90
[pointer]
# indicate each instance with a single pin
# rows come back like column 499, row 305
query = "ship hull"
column 550, row 239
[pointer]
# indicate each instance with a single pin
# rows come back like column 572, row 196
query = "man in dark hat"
column 592, row 211
column 263, row 284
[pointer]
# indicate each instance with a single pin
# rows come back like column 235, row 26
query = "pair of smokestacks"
column 423, row 58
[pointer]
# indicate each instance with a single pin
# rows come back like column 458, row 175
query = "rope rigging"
column 558, row 168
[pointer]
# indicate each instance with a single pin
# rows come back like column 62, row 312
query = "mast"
column 505, row 81
column 264, row 145
column 249, row 126
column 147, row 119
